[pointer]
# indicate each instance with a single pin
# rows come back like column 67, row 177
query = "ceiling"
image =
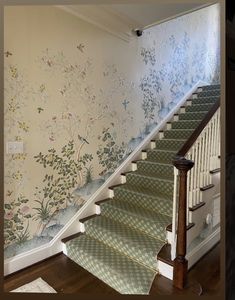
column 122, row 19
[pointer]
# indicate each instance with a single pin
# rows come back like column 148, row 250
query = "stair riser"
column 192, row 116
column 198, row 107
column 177, row 134
column 161, row 157
column 185, row 125
column 142, row 200
column 154, row 185
column 209, row 93
column 161, row 171
column 210, row 87
column 168, row 145
column 205, row 100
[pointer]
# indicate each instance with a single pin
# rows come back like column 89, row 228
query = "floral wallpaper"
column 81, row 100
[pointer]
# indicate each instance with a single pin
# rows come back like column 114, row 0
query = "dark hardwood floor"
column 65, row 276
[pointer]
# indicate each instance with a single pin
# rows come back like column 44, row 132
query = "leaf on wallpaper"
column 16, row 216
column 55, row 193
column 82, row 139
column 109, row 152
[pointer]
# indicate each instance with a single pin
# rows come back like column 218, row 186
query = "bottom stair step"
column 132, row 243
column 120, row 272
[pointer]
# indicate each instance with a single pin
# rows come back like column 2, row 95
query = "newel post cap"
column 182, row 163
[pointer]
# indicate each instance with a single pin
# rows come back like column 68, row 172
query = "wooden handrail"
column 191, row 140
column 184, row 165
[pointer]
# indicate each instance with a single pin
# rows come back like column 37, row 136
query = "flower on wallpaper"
column 16, row 221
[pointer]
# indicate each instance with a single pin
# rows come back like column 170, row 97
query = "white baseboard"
column 193, row 257
column 73, row 226
column 203, row 248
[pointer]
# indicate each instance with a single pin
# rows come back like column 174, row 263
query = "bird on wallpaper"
column 80, row 47
column 82, row 139
column 9, row 193
column 7, row 53
column 40, row 109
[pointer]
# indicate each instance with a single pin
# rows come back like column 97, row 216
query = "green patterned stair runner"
column 120, row 246
column 117, row 270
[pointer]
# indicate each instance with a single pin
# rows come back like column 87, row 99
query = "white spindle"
column 174, row 218
column 204, row 153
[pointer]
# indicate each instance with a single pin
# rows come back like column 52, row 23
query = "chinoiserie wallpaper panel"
column 81, row 100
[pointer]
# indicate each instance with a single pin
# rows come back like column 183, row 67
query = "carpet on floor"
column 36, row 286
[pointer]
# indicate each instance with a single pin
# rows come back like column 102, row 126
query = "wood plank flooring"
column 65, row 276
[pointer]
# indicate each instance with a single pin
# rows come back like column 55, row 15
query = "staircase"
column 121, row 245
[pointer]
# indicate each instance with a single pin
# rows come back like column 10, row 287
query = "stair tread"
column 147, row 175
column 115, row 269
column 132, row 243
column 144, row 199
column 142, row 191
column 149, row 222
column 121, row 245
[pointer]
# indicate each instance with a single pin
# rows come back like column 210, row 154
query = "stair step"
column 154, row 184
column 132, row 243
column 209, row 93
column 120, row 272
column 205, row 100
column 169, row 144
column 164, row 171
column 164, row 255
column 146, row 221
column 192, row 115
column 178, row 133
column 185, row 124
column 198, row 107
column 210, row 87
column 143, row 198
column 161, row 156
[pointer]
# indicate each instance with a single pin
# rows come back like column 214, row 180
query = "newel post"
column 180, row 262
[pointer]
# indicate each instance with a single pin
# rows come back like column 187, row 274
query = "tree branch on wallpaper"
column 80, row 113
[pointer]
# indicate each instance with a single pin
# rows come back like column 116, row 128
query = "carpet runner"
column 120, row 245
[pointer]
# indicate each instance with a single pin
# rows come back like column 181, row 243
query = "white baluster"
column 174, row 215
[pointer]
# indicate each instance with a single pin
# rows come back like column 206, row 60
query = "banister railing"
column 197, row 157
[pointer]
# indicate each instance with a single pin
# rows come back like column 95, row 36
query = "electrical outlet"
column 14, row 147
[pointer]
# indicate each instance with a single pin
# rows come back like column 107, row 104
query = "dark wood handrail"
column 191, row 140
column 180, row 265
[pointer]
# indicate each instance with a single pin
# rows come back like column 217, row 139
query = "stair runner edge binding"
column 120, row 246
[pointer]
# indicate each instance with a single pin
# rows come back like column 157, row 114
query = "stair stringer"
column 89, row 208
